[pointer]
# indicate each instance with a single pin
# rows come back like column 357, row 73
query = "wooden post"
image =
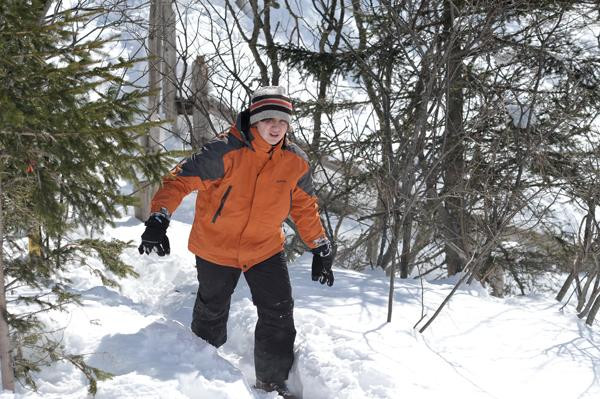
column 152, row 141
column 169, row 61
column 201, row 131
column 8, row 377
column 162, row 53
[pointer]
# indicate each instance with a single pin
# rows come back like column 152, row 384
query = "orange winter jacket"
column 246, row 190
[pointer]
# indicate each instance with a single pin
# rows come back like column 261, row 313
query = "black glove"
column 155, row 235
column 321, row 263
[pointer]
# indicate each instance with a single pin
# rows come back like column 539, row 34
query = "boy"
column 248, row 182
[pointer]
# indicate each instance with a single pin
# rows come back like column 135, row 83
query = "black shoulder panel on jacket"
column 207, row 163
column 305, row 183
column 295, row 148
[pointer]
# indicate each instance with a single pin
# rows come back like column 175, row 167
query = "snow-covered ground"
column 479, row 347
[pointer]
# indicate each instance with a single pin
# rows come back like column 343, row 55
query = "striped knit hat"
column 270, row 102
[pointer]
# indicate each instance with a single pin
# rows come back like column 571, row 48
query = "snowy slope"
column 479, row 347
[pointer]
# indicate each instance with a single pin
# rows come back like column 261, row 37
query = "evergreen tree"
column 69, row 125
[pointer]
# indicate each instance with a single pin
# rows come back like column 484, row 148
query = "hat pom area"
column 270, row 102
column 269, row 91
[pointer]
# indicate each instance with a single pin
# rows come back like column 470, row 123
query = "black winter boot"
column 279, row 387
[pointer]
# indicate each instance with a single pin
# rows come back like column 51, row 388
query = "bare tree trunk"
column 8, row 377
column 384, row 232
column 583, row 254
column 565, row 287
column 583, row 295
column 593, row 312
column 497, row 281
column 454, row 160
column 324, row 81
column 316, row 139
column 391, row 291
column 419, row 114
column 270, row 47
column 584, row 304
column 593, row 296
column 396, row 224
column 406, row 245
column 374, row 236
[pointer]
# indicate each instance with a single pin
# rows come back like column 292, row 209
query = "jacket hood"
column 242, row 126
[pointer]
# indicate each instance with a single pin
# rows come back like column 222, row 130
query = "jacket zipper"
column 254, row 195
column 221, row 205
column 290, row 211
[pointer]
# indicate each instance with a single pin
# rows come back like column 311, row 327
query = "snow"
column 521, row 115
column 479, row 346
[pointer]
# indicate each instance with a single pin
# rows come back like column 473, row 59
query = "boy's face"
column 272, row 130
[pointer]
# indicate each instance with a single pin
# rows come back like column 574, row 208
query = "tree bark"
column 595, row 293
column 454, row 146
column 593, row 312
column 583, row 255
column 325, row 75
column 8, row 377
column 565, row 287
column 375, row 235
column 270, row 44
column 406, row 245
column 392, row 249
column 391, row 292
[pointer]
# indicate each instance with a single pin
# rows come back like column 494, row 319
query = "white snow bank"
column 479, row 347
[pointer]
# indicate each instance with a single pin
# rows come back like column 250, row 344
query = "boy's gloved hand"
column 322, row 262
column 155, row 235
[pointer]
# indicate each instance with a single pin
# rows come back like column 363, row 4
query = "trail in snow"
column 479, row 347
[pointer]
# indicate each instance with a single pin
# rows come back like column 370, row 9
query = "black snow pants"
column 274, row 334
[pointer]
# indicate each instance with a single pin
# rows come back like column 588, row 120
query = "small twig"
column 428, row 271
column 446, row 300
column 139, row 188
column 423, row 314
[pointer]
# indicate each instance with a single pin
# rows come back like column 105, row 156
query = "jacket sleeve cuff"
column 322, row 240
column 162, row 212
